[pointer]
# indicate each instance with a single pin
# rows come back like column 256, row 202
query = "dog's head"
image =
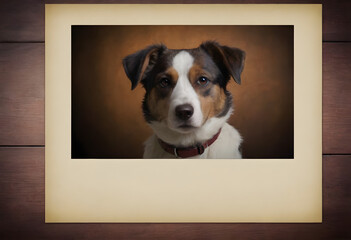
column 185, row 88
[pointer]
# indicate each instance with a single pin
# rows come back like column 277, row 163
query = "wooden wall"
column 22, row 140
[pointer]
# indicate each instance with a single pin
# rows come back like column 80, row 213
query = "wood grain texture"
column 21, row 20
column 21, row 94
column 336, row 20
column 337, row 98
column 22, row 209
column 24, row 20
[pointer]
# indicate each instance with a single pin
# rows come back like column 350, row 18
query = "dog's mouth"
column 186, row 128
column 183, row 127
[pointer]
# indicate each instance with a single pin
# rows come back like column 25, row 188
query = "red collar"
column 185, row 152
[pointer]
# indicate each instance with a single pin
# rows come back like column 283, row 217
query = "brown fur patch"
column 158, row 100
column 195, row 72
column 171, row 72
column 213, row 104
column 158, row 107
column 212, row 96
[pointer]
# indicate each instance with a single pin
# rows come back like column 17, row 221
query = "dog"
column 186, row 101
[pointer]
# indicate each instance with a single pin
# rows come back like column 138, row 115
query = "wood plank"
column 336, row 98
column 22, row 191
column 336, row 20
column 21, row 20
column 24, row 20
column 21, row 94
column 22, row 209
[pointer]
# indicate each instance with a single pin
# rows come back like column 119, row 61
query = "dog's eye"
column 203, row 81
column 164, row 82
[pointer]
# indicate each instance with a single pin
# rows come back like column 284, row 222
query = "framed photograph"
column 183, row 113
column 109, row 120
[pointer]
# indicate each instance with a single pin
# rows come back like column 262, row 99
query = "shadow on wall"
column 107, row 120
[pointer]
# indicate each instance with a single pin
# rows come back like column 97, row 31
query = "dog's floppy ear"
column 229, row 60
column 137, row 64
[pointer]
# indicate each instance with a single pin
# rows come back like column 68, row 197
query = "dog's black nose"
column 184, row 112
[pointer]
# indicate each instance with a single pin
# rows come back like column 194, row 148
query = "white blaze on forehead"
column 183, row 92
column 182, row 62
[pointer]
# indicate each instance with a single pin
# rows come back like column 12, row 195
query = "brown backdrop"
column 107, row 120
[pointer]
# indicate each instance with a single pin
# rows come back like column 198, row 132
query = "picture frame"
column 181, row 190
